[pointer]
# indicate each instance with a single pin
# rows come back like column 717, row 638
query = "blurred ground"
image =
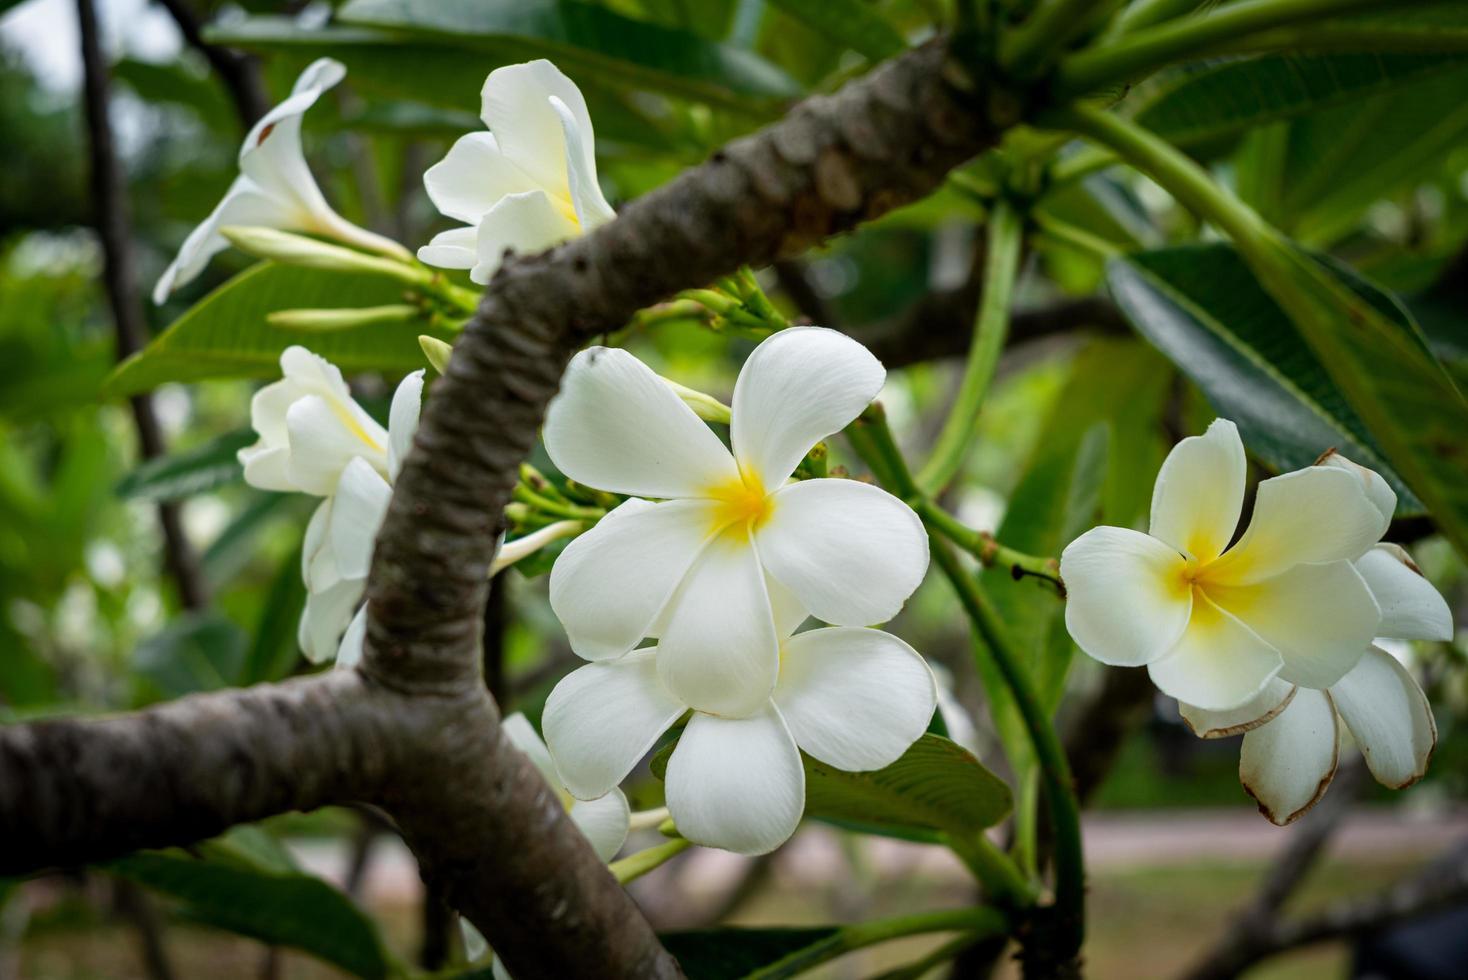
column 1161, row 888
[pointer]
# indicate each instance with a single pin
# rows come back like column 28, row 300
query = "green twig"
column 1004, row 883
column 547, row 505
column 634, row 866
column 983, row 546
column 991, row 326
column 1035, row 42
column 979, row 922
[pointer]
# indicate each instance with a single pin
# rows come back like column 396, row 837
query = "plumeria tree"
column 1227, row 501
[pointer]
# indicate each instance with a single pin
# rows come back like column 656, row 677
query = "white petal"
column 1317, row 514
column 1275, row 697
column 720, row 653
column 1218, row 664
column 402, row 421
column 1385, row 709
column 855, row 699
column 521, row 733
column 516, row 106
column 737, row 784
column 610, row 583
column 524, row 224
column 1319, row 617
column 245, row 203
column 1287, row 764
column 591, row 207
column 358, row 507
column 326, row 617
column 1127, row 600
column 851, row 552
column 603, row 718
column 1411, row 607
column 798, row 387
column 604, row 821
column 786, row 609
column 318, row 561
column 323, row 439
column 1381, row 494
column 1200, row 492
column 472, row 178
column 271, row 153
column 616, row 426
column 349, row 651
column 457, row 248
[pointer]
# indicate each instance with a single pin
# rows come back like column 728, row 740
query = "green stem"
column 1062, row 233
column 873, row 441
column 981, row 921
column 981, row 544
column 1145, row 13
column 1034, row 43
column 549, row 506
column 926, row 964
column 1003, row 882
column 1078, row 165
column 991, row 326
column 634, row 866
column 1136, row 54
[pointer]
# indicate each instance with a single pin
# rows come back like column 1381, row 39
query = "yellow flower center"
column 740, row 504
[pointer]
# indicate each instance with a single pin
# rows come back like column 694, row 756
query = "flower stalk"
column 634, row 866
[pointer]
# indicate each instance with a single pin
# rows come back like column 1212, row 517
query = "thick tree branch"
column 119, row 275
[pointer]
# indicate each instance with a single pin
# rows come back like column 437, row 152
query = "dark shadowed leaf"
column 727, row 954
column 852, row 22
column 198, row 470
column 197, row 652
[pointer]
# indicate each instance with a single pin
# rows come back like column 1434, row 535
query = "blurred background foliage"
column 1363, row 158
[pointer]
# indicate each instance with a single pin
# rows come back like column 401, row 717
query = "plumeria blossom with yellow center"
column 1294, row 733
column 604, row 821
column 528, row 184
column 1215, row 624
column 853, row 698
column 275, row 188
column 316, row 439
column 694, row 568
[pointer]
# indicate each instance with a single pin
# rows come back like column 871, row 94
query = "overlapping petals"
column 275, row 188
column 528, row 184
column 1215, row 624
column 852, row 698
column 696, row 568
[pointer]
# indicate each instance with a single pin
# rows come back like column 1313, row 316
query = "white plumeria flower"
column 1215, row 625
column 316, row 439
column 275, row 188
column 603, row 821
column 853, row 698
column 528, row 184
column 692, row 569
column 1292, row 741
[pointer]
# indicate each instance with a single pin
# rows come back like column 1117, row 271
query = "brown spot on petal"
column 265, row 134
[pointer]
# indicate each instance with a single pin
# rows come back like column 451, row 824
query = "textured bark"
column 414, row 730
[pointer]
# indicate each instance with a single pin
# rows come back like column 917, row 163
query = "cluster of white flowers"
column 722, row 571
column 1273, row 636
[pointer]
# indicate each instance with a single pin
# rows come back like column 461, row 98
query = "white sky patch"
column 45, row 33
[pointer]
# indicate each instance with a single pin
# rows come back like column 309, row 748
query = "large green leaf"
column 225, row 334
column 585, row 38
column 728, row 954
column 232, row 890
column 197, row 652
column 273, row 650
column 936, row 785
column 1213, row 100
column 852, row 22
column 1203, row 308
column 199, row 470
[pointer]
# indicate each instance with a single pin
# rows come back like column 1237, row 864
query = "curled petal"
column 326, row 617
column 1411, row 607
column 1378, row 491
column 601, row 719
column 522, row 735
column 357, row 510
column 851, row 552
column 245, row 203
column 515, row 104
column 591, row 207
column 402, row 421
column 1200, row 492
column 523, row 224
column 1128, row 601
column 473, row 177
column 604, row 822
column 1318, row 514
column 1385, row 709
column 737, row 784
column 1248, row 716
column 1287, row 764
column 1218, row 664
column 855, row 699
column 323, row 440
column 349, row 651
column 457, row 248
column 798, row 387
column 1319, row 617
column 616, row 426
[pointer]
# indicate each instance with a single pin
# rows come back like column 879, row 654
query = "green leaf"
column 194, row 471
column 1213, row 100
column 235, row 546
column 1202, row 307
column 225, row 335
column 585, row 39
column 273, row 650
column 936, row 785
column 264, row 902
column 727, row 954
column 852, row 22
column 196, row 652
